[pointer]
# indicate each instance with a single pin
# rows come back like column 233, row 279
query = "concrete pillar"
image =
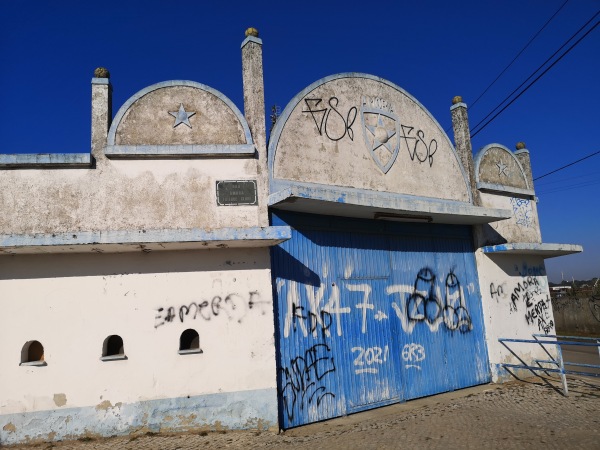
column 462, row 142
column 254, row 111
column 101, row 111
column 522, row 155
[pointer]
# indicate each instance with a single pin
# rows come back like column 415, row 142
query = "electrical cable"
column 519, row 54
column 567, row 165
column 548, row 182
column 535, row 80
column 569, row 187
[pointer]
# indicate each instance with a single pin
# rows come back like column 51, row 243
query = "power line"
column 567, row 165
column 537, row 78
column 519, row 54
column 569, row 187
column 547, row 183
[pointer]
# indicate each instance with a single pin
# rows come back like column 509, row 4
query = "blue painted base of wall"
column 234, row 410
column 502, row 375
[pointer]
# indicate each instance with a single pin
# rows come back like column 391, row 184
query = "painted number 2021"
column 368, row 359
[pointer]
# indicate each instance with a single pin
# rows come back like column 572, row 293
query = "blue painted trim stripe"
column 281, row 121
column 178, row 151
column 481, row 153
column 101, row 81
column 458, row 105
column 251, row 39
column 383, row 200
column 117, row 120
column 273, row 234
column 45, row 160
column 532, row 248
column 503, row 188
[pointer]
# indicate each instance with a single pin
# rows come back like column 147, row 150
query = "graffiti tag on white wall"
column 232, row 306
column 537, row 303
column 522, row 211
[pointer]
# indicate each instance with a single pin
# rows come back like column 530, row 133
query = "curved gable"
column 359, row 131
column 178, row 113
column 497, row 168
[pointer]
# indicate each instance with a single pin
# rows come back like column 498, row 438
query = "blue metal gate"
column 371, row 313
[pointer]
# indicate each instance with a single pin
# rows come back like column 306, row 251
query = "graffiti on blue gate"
column 303, row 382
column 428, row 300
column 423, row 302
column 412, row 354
column 368, row 360
column 317, row 315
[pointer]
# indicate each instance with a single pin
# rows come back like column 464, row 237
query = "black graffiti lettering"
column 312, row 104
column 202, row 309
column 232, row 307
column 496, row 291
column 420, row 149
column 159, row 319
column 313, row 319
column 302, row 382
column 335, row 126
column 215, row 305
column 170, row 314
column 297, row 314
column 425, row 305
column 184, row 310
column 537, row 310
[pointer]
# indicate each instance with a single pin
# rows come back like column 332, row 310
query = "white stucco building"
column 180, row 276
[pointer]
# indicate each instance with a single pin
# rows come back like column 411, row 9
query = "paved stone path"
column 531, row 414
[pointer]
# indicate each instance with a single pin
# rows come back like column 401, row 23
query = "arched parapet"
column 502, row 183
column 497, row 169
column 179, row 119
column 360, row 133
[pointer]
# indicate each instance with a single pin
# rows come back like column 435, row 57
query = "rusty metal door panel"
column 369, row 314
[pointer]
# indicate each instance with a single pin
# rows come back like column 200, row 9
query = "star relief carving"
column 182, row 116
column 502, row 168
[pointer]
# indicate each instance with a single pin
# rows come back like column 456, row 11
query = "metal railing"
column 558, row 361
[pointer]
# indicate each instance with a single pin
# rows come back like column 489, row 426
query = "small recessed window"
column 189, row 342
column 112, row 348
column 32, row 354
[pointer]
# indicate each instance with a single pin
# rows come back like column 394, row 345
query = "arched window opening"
column 32, row 354
column 112, row 348
column 189, row 342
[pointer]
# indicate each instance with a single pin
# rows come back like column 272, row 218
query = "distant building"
column 180, row 276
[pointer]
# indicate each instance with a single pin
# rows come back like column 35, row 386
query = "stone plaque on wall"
column 236, row 192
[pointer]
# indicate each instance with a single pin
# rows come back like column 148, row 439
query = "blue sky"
column 433, row 49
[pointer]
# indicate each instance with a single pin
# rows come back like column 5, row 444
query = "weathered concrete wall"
column 577, row 315
column 523, row 226
column 72, row 303
column 148, row 122
column 123, row 195
column 516, row 305
column 142, row 194
column 498, row 165
column 359, row 131
column 503, row 183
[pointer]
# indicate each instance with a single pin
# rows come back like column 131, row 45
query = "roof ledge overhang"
column 532, row 248
column 348, row 202
column 116, row 241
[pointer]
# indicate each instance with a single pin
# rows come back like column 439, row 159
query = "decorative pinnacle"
column 252, row 32
column 457, row 99
column 520, row 145
column 101, row 72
